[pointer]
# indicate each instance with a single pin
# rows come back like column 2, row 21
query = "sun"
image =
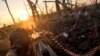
column 23, row 15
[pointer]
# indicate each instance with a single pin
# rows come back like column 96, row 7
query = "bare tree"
column 33, row 7
column 76, row 2
column 26, row 8
column 46, row 7
column 57, row 2
column 96, row 2
column 9, row 11
column 57, row 7
column 64, row 5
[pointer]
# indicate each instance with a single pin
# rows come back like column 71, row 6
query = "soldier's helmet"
column 19, row 37
column 19, row 41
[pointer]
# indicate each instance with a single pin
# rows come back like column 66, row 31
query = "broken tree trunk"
column 64, row 6
column 57, row 7
column 46, row 7
column 96, row 2
column 9, row 11
column 33, row 8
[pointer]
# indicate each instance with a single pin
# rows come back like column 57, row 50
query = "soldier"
column 19, row 41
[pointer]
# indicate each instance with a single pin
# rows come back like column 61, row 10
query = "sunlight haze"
column 16, row 6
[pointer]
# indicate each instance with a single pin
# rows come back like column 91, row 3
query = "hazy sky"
column 16, row 6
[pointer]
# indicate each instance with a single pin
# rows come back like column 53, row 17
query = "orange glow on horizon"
column 28, row 24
